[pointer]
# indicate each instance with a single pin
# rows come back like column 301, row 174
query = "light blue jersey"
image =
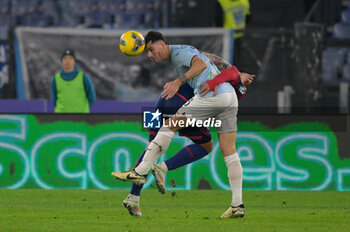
column 181, row 57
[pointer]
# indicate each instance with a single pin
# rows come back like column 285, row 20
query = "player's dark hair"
column 154, row 36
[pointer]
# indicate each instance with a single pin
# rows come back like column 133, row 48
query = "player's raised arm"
column 238, row 80
column 229, row 74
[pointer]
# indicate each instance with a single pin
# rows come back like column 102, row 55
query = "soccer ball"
column 132, row 43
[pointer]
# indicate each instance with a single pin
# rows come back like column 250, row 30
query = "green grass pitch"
column 197, row 210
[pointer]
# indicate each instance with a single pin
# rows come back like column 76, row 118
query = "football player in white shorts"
column 220, row 107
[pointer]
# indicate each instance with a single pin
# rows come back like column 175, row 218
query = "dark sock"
column 136, row 189
column 185, row 156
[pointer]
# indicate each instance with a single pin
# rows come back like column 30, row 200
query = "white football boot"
column 234, row 212
column 132, row 205
column 130, row 176
column 159, row 176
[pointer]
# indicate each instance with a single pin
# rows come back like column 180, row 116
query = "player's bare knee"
column 208, row 146
column 228, row 151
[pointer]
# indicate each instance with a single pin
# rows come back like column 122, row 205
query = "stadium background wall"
column 80, row 151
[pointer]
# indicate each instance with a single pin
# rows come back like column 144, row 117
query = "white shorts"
column 222, row 107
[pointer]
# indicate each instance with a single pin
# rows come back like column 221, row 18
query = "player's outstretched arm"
column 229, row 74
column 238, row 80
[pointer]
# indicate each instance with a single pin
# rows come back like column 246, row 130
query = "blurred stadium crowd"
column 75, row 13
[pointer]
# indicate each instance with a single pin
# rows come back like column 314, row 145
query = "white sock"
column 163, row 166
column 134, row 197
column 235, row 175
column 155, row 149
